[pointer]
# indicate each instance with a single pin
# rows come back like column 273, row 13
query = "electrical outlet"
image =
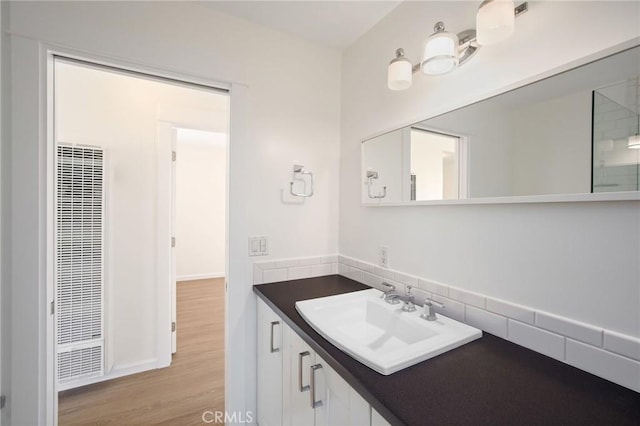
column 383, row 256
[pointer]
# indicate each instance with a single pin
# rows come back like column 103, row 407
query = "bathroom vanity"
column 486, row 381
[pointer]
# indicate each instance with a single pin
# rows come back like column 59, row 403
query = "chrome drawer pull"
column 274, row 323
column 301, row 355
column 314, row 403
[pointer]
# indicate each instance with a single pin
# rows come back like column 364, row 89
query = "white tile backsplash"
column 299, row 272
column 467, row 297
column 605, row 353
column 286, row 263
column 433, row 287
column 371, row 280
column 452, row 309
column 510, row 310
column 356, row 274
column 383, row 272
column 321, row 269
column 622, row 344
column 570, row 328
column 274, row 275
column 618, row 369
column 531, row 337
column 343, row 269
column 257, row 274
column 406, row 279
column 491, row 323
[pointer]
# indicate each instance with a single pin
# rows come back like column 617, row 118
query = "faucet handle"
column 429, row 313
column 428, row 301
column 407, row 290
column 389, row 287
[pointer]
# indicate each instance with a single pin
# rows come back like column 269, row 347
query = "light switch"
column 258, row 246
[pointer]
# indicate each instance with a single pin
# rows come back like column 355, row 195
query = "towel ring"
column 371, row 175
column 298, row 172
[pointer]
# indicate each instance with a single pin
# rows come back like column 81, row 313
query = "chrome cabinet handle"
column 273, row 324
column 301, row 355
column 314, row 403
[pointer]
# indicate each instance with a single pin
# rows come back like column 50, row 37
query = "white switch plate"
column 258, row 246
column 383, row 256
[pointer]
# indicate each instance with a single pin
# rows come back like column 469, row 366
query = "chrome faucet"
column 429, row 312
column 408, row 298
column 386, row 289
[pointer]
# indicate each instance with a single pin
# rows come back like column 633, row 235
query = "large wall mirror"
column 572, row 133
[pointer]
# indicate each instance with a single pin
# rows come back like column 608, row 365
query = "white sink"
column 381, row 335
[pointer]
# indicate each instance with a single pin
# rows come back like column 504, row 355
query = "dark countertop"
column 488, row 381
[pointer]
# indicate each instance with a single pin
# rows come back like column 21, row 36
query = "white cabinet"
column 270, row 338
column 296, row 387
column 314, row 394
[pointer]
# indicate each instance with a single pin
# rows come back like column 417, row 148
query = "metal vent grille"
column 78, row 363
column 79, row 256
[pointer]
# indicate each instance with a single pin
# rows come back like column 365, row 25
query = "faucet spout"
column 393, row 297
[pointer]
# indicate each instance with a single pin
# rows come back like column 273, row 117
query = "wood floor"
column 177, row 395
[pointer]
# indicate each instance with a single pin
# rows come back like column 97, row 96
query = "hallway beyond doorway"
column 179, row 394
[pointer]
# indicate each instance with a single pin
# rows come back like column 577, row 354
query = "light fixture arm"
column 467, row 42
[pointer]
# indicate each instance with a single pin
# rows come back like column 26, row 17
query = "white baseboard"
column 120, row 371
column 200, row 276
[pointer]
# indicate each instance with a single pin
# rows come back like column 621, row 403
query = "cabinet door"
column 269, row 330
column 342, row 405
column 298, row 383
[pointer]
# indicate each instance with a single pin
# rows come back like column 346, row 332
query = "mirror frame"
column 510, row 199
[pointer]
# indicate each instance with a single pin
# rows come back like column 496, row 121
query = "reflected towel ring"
column 371, row 175
column 298, row 172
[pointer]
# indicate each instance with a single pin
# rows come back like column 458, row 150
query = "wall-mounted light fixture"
column 444, row 51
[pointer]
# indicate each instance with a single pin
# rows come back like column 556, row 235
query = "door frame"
column 47, row 53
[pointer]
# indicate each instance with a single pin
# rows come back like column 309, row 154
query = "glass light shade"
column 440, row 53
column 399, row 74
column 633, row 142
column 494, row 21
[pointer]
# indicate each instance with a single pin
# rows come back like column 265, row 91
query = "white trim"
column 123, row 370
column 524, row 199
column 205, row 276
column 164, row 251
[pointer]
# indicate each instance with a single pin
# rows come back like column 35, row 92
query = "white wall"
column 200, row 204
column 564, row 258
column 276, row 117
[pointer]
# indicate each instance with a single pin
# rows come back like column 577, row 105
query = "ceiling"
column 335, row 24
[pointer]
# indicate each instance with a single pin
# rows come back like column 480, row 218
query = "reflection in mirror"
column 616, row 144
column 434, row 165
column 571, row 133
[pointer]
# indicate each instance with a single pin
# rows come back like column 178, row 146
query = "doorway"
column 123, row 327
